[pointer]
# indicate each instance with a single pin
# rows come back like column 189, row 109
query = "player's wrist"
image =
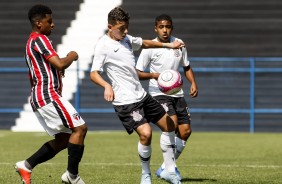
column 167, row 45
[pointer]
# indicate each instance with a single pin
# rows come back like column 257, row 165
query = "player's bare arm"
column 154, row 44
column 98, row 79
column 63, row 63
column 190, row 76
column 147, row 75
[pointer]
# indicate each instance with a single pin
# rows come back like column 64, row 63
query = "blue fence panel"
column 252, row 70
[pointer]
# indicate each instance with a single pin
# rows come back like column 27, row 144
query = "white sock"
column 167, row 143
column 145, row 157
column 180, row 145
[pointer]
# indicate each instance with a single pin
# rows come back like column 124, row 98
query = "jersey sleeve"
column 45, row 47
column 184, row 58
column 136, row 42
column 99, row 58
column 144, row 59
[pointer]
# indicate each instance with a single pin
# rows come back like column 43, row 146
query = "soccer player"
column 158, row 60
column 57, row 116
column 134, row 107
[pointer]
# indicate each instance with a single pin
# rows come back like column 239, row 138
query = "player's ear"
column 37, row 22
column 110, row 26
column 156, row 29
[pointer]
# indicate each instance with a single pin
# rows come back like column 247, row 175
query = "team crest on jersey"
column 176, row 52
column 136, row 116
column 165, row 106
column 76, row 116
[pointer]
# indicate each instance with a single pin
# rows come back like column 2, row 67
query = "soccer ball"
column 170, row 82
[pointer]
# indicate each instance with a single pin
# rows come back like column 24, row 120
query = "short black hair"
column 38, row 11
column 117, row 14
column 163, row 17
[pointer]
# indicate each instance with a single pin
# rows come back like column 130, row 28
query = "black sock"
column 75, row 152
column 46, row 152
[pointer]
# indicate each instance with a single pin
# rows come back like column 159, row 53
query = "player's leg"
column 47, row 151
column 167, row 142
column 156, row 114
column 183, row 133
column 74, row 124
column 144, row 150
column 184, row 129
column 133, row 119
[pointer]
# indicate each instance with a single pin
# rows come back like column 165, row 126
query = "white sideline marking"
column 137, row 164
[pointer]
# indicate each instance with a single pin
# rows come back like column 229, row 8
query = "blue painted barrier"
column 252, row 70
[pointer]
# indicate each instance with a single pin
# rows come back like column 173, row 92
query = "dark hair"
column 117, row 14
column 38, row 11
column 163, row 17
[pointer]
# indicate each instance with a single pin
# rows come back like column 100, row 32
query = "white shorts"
column 58, row 116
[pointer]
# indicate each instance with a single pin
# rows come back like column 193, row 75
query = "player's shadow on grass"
column 197, row 180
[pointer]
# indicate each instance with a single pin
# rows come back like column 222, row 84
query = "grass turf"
column 111, row 158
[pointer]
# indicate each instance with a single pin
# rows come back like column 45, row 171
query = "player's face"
column 163, row 30
column 46, row 25
column 118, row 31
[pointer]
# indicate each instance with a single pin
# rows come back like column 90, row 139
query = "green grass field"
column 111, row 158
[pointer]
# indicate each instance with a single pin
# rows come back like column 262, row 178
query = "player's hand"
column 193, row 91
column 73, row 55
column 177, row 45
column 109, row 93
column 155, row 76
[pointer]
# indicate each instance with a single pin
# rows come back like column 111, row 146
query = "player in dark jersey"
column 57, row 116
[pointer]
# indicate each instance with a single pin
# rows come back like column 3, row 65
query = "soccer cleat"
column 146, row 179
column 173, row 179
column 178, row 174
column 159, row 171
column 24, row 172
column 162, row 173
column 67, row 179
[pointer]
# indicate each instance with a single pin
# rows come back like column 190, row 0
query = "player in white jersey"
column 158, row 60
column 134, row 107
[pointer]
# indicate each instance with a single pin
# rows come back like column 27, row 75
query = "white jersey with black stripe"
column 116, row 58
column 160, row 59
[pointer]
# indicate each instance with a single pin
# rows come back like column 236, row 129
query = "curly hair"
column 163, row 17
column 117, row 14
column 38, row 11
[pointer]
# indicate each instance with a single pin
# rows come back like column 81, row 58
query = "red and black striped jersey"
column 46, row 81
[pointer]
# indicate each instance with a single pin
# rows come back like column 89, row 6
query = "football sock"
column 46, row 152
column 167, row 142
column 180, row 145
column 75, row 152
column 145, row 156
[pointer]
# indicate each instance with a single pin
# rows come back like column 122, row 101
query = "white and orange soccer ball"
column 170, row 82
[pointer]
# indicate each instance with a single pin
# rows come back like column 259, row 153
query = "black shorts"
column 175, row 106
column 136, row 114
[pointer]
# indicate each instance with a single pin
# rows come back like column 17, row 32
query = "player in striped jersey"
column 57, row 116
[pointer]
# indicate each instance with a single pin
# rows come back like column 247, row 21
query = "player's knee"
column 82, row 130
column 187, row 134
column 146, row 137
